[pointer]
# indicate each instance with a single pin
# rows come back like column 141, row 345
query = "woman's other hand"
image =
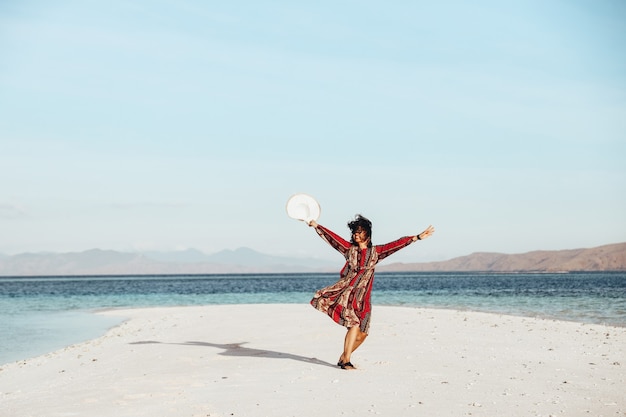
column 425, row 234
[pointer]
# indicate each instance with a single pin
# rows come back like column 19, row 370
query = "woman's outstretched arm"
column 392, row 247
column 333, row 239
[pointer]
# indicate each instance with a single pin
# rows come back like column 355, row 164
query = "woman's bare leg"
column 354, row 339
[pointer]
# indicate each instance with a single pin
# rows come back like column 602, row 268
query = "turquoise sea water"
column 42, row 314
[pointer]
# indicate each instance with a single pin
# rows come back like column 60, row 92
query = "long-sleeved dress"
column 348, row 301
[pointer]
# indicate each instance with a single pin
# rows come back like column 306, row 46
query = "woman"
column 347, row 301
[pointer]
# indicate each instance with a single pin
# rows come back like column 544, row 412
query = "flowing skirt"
column 347, row 301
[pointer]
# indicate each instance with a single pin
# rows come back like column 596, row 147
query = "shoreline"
column 98, row 317
column 279, row 360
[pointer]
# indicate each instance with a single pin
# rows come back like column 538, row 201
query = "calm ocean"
column 42, row 314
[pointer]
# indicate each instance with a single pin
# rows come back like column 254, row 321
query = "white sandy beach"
column 279, row 360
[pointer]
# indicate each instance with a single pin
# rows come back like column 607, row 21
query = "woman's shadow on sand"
column 237, row 350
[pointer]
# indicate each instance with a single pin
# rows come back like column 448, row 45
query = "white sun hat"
column 303, row 207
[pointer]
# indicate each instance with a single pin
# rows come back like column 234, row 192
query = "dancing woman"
column 347, row 301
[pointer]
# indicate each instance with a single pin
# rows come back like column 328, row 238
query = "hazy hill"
column 106, row 262
column 245, row 260
column 243, row 257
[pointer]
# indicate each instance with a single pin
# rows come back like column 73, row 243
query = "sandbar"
column 279, row 360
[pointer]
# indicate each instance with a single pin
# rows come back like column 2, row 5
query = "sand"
column 280, row 360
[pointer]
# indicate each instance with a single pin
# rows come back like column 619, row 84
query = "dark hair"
column 363, row 223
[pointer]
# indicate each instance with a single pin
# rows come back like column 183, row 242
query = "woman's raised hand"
column 312, row 223
column 425, row 234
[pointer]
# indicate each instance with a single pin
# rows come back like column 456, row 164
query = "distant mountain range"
column 245, row 260
column 601, row 258
column 108, row 262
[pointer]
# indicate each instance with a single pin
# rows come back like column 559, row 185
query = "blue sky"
column 166, row 125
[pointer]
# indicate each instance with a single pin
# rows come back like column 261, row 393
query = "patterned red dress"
column 348, row 301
